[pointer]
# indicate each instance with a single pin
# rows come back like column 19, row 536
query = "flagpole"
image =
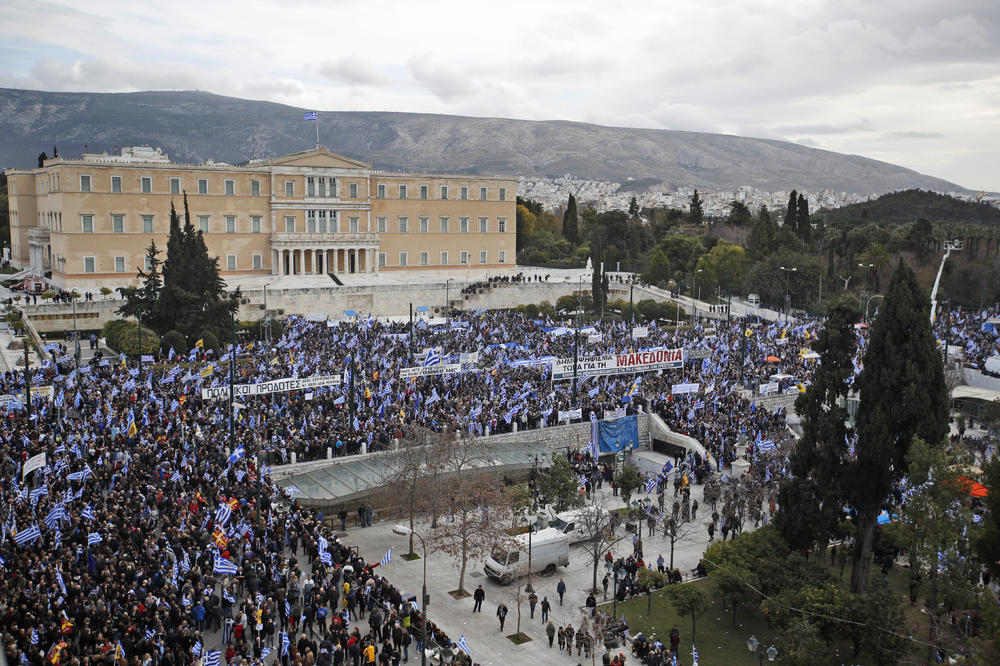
column 316, row 122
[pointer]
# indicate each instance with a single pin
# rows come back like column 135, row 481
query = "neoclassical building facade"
column 88, row 221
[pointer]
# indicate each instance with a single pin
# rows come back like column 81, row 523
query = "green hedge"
column 128, row 342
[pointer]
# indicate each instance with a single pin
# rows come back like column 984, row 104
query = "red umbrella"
column 772, row 359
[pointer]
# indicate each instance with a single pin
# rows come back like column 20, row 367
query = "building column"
column 373, row 261
column 296, row 267
column 274, row 264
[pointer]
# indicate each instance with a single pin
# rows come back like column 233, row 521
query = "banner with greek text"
column 679, row 389
column 428, row 370
column 620, row 364
column 273, row 386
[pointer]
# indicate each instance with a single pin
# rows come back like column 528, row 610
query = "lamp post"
column 771, row 652
column 447, row 294
column 631, row 289
column 864, row 294
column 869, row 300
column 267, row 318
column 403, row 530
column 788, row 297
column 694, row 303
column 237, row 300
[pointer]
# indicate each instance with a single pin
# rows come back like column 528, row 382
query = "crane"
column 949, row 246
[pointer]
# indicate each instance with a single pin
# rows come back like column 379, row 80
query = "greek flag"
column 694, row 655
column 387, row 557
column 55, row 515
column 211, row 658
column 27, row 535
column 94, row 538
column 650, row 485
column 433, row 357
column 150, row 634
column 325, row 558
column 284, row 643
column 238, row 453
column 594, row 391
column 62, row 584
column 434, row 397
column 308, row 115
column 196, row 648
column 224, row 567
column 34, row 636
column 36, row 493
column 223, row 514
column 264, row 651
column 463, row 646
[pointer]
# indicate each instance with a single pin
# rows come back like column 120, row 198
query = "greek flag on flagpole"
column 284, row 643
column 309, row 115
column 433, row 357
column 463, row 646
column 264, row 651
column 694, row 655
column 223, row 514
column 88, row 513
column 224, row 567
column 387, row 557
column 211, row 658
column 238, row 453
column 94, row 538
column 650, row 485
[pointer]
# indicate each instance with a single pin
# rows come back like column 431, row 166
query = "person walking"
column 561, row 590
column 604, row 583
column 550, row 631
column 546, row 607
column 478, row 596
column 532, row 602
column 502, row 614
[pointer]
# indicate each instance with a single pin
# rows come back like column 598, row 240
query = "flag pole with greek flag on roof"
column 312, row 115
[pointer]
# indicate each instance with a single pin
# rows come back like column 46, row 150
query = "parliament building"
column 87, row 222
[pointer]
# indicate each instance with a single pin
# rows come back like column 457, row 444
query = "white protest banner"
column 37, row 393
column 428, row 370
column 678, row 389
column 273, row 386
column 792, row 390
column 571, row 414
column 31, row 464
column 781, row 341
column 640, row 332
column 770, row 387
column 596, row 337
column 619, row 364
column 468, row 357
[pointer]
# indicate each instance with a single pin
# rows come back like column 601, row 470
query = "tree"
column 816, row 491
column 407, row 476
column 659, row 268
column 903, row 396
column 878, row 257
column 628, row 480
column 571, row 222
column 695, row 213
column 988, row 540
column 690, row 601
column 143, row 300
column 633, row 208
column 739, row 214
column 594, row 523
column 803, row 225
column 791, row 212
column 559, row 485
column 677, row 532
column 724, row 266
column 41, row 159
column 477, row 515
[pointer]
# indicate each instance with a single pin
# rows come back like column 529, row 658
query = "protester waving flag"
column 387, row 557
column 223, row 514
column 463, row 646
column 94, row 538
column 224, row 567
column 27, row 535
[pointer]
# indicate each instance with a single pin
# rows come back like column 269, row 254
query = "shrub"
column 210, row 340
column 531, row 310
column 173, row 339
column 114, row 329
column 650, row 309
column 569, row 302
column 128, row 343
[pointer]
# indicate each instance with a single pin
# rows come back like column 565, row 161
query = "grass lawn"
column 719, row 642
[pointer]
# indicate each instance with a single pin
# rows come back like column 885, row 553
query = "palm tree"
column 878, row 257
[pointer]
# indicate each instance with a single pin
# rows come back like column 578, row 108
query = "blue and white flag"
column 223, row 514
column 463, row 646
column 309, row 115
column 27, row 535
column 94, row 538
column 594, row 391
column 387, row 557
column 650, row 485
column 224, row 567
column 433, row 358
column 196, row 648
column 211, row 658
column 238, row 453
column 284, row 643
column 694, row 655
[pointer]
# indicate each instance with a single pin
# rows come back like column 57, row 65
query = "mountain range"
column 194, row 126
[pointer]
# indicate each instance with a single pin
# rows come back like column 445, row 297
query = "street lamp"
column 267, row 318
column 864, row 294
column 870, row 299
column 788, row 296
column 237, row 300
column 771, row 652
column 447, row 294
column 694, row 303
column 403, row 530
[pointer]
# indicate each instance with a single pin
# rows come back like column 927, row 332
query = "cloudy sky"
column 913, row 82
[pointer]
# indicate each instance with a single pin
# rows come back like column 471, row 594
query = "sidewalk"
column 482, row 630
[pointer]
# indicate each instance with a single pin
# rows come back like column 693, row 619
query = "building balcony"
column 299, row 237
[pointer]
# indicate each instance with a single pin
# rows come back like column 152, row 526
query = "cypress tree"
column 696, row 214
column 571, row 222
column 903, row 395
column 804, row 225
column 790, row 212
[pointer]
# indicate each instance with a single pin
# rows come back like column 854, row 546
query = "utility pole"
column 411, row 334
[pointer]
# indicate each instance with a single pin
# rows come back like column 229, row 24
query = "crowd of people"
column 132, row 525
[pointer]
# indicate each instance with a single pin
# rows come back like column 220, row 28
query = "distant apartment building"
column 88, row 221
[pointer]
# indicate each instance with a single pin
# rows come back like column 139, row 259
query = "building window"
column 230, row 224
column 258, row 262
column 321, row 186
column 175, row 185
column 255, row 224
column 464, row 192
column 203, row 223
column 380, row 221
column 444, row 191
column 116, row 184
column 230, row 187
column 147, row 184
column 119, row 264
column 482, row 194
column 353, row 190
column 402, row 191
column 202, row 186
column 424, row 258
column 402, row 225
column 290, row 225
column 289, row 188
column 147, row 224
column 484, row 223
column 380, row 191
column 311, row 221
column 424, row 223
column 333, row 187
column 423, row 191
column 88, row 223
column 444, row 258
column 353, row 222
column 502, row 224
column 502, row 256
column 444, row 225
column 503, row 194
column 230, row 262
column 463, row 257
column 463, row 225
column 118, row 224
column 482, row 256
column 381, row 259
column 255, row 188
column 321, row 221
column 310, row 186
column 402, row 258
column 88, row 264
column 84, row 183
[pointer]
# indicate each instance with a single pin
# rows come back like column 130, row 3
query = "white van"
column 549, row 549
column 570, row 523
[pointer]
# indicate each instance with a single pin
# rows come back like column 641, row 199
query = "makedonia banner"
column 427, row 370
column 273, row 386
column 620, row 364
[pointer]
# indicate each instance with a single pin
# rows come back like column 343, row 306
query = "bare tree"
column 477, row 511
column 598, row 535
column 408, row 479
column 519, row 594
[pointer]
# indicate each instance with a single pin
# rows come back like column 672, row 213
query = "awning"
column 974, row 393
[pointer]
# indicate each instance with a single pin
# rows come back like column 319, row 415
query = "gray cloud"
column 353, row 70
column 443, row 81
